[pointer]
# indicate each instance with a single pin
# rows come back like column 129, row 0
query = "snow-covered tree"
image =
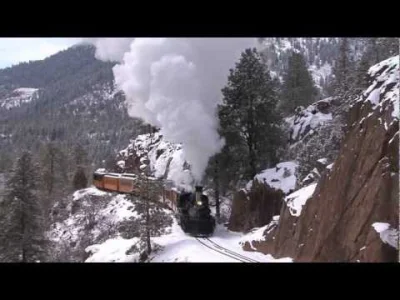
column 22, row 237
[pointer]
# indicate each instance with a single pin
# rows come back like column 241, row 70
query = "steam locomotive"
column 194, row 214
column 192, row 208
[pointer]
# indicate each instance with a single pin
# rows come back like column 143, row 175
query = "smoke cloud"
column 175, row 84
column 110, row 49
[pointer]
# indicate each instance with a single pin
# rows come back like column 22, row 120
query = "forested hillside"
column 74, row 103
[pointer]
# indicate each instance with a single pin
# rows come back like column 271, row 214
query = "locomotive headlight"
column 199, row 203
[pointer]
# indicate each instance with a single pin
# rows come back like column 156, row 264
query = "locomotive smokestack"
column 199, row 191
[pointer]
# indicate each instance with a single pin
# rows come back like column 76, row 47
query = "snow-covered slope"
column 90, row 213
column 383, row 93
column 295, row 201
column 100, row 227
column 306, row 120
column 258, row 234
column 319, row 54
column 99, row 94
column 18, row 97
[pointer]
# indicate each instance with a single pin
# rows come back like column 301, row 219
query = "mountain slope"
column 68, row 98
column 319, row 53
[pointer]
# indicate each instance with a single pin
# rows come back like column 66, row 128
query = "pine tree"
column 54, row 167
column 22, row 229
column 79, row 181
column 362, row 78
column 298, row 86
column 5, row 161
column 343, row 71
column 80, row 155
column 378, row 49
column 248, row 117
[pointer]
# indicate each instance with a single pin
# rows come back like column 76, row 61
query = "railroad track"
column 224, row 251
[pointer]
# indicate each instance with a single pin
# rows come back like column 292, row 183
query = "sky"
column 16, row 50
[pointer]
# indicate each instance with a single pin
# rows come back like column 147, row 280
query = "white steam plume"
column 110, row 49
column 175, row 84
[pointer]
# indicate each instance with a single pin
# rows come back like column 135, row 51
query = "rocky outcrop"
column 167, row 160
column 261, row 199
column 306, row 120
column 255, row 208
column 362, row 187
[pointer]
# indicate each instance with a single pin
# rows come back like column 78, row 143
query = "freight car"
column 192, row 209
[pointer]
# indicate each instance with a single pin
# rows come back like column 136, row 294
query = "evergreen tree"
column 5, row 161
column 248, row 116
column 378, row 49
column 298, row 86
column 22, row 229
column 79, row 181
column 343, row 71
column 54, row 167
column 362, row 78
column 80, row 155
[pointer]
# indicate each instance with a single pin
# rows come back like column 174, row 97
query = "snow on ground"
column 298, row 199
column 259, row 234
column 387, row 234
column 281, row 177
column 91, row 206
column 18, row 97
column 175, row 245
column 113, row 250
column 100, row 93
column 119, row 209
column 179, row 247
column 88, row 191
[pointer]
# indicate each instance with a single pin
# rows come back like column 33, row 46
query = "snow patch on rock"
column 282, row 177
column 298, row 199
column 387, row 234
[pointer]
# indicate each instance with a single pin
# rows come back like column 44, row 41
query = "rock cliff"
column 352, row 215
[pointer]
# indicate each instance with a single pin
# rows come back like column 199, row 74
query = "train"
column 192, row 209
